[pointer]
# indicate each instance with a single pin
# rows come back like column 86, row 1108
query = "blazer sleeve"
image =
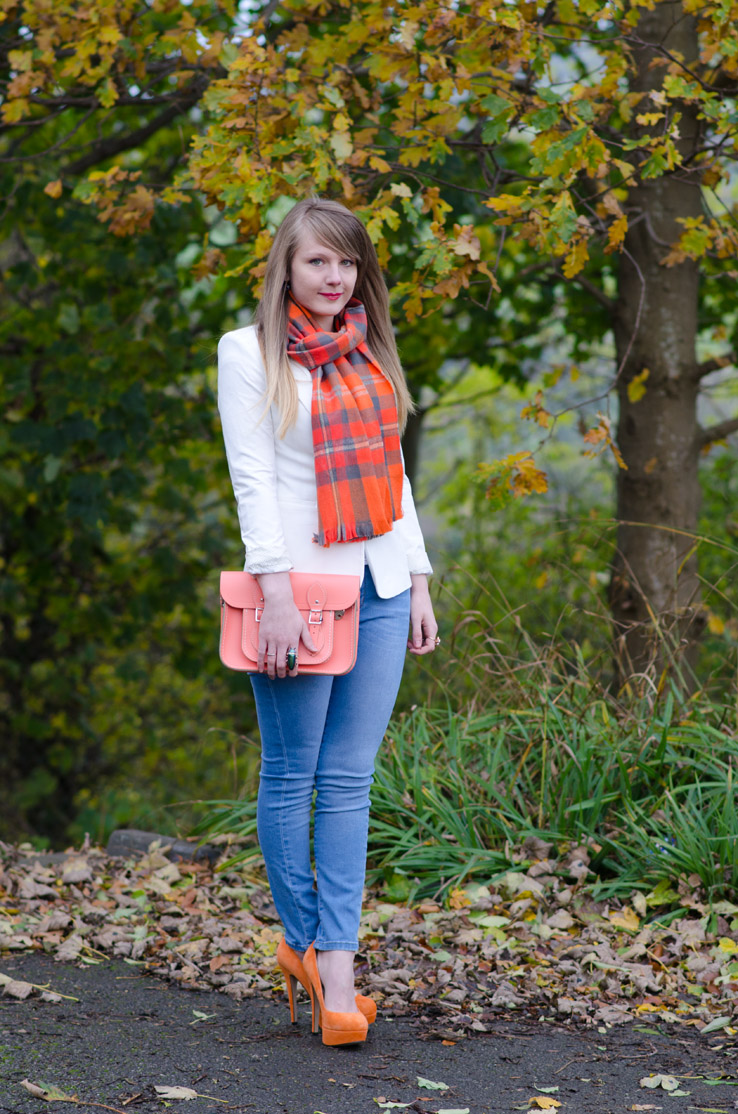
column 249, row 438
column 410, row 533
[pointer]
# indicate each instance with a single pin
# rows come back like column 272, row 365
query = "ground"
column 120, row 975
column 128, row 1032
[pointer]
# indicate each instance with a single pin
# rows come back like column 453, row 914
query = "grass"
column 652, row 797
column 530, row 745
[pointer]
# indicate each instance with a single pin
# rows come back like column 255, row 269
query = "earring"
column 286, row 284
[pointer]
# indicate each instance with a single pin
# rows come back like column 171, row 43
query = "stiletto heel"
column 336, row 1027
column 294, row 972
column 291, row 988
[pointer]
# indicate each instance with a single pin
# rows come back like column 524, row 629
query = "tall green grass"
column 652, row 796
column 516, row 737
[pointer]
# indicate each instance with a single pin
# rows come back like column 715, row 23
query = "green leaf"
column 429, row 1085
column 68, row 317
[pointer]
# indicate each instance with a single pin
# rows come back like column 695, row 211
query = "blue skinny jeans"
column 319, row 738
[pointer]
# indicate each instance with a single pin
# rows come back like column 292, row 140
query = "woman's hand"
column 281, row 626
column 423, row 625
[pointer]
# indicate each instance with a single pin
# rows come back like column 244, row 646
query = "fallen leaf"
column 543, row 1102
column 667, row 1082
column 76, row 870
column 175, row 1092
column 715, row 1024
column 47, row 1091
column 429, row 1085
column 626, row 918
column 17, row 989
column 456, row 1110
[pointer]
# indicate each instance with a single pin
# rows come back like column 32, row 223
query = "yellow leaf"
column 400, row 189
column 458, row 899
column 637, row 385
column 53, row 188
column 575, row 260
column 504, row 203
column 466, row 242
column 626, row 918
column 726, row 944
column 110, row 34
column 527, row 477
column 543, row 1102
column 341, row 144
column 15, row 110
column 616, row 233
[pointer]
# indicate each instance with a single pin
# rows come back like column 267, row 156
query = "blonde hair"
column 337, row 228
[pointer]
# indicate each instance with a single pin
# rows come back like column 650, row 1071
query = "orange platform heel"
column 336, row 1027
column 294, row 972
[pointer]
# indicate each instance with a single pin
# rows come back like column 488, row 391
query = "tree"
column 567, row 159
column 589, row 150
column 113, row 491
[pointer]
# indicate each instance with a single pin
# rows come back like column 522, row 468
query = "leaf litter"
column 533, row 941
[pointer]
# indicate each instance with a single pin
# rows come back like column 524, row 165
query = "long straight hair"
column 337, row 228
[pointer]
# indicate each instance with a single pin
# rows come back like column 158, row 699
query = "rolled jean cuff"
column 299, row 948
column 336, row 945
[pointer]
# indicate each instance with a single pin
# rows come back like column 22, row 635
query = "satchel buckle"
column 257, row 614
column 315, row 617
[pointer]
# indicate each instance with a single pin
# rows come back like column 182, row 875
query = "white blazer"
column 274, row 482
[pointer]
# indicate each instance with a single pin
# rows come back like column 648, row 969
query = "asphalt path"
column 129, row 1033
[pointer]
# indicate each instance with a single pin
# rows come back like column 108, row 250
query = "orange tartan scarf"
column 358, row 463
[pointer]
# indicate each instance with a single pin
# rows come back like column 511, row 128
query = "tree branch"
column 115, row 145
column 718, row 432
column 591, row 288
column 715, row 364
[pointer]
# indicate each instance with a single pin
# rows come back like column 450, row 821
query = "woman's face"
column 321, row 280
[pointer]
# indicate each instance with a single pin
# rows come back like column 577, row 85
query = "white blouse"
column 274, row 482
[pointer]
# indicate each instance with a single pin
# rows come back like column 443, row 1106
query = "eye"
column 348, row 262
column 315, row 261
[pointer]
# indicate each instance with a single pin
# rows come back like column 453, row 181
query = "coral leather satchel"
column 329, row 604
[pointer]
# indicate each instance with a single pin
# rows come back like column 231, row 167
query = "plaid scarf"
column 358, row 464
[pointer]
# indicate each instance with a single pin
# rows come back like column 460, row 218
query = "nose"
column 333, row 278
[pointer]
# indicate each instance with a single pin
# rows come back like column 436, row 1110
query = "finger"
column 417, row 634
column 307, row 637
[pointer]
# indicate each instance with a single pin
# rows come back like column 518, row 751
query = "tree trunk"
column 654, row 590
column 411, row 443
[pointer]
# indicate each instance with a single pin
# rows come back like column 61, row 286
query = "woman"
column 312, row 399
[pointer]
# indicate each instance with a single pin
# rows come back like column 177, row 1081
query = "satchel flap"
column 337, row 592
column 313, row 592
column 240, row 589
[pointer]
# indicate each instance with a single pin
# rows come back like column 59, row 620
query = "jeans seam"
column 286, row 859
